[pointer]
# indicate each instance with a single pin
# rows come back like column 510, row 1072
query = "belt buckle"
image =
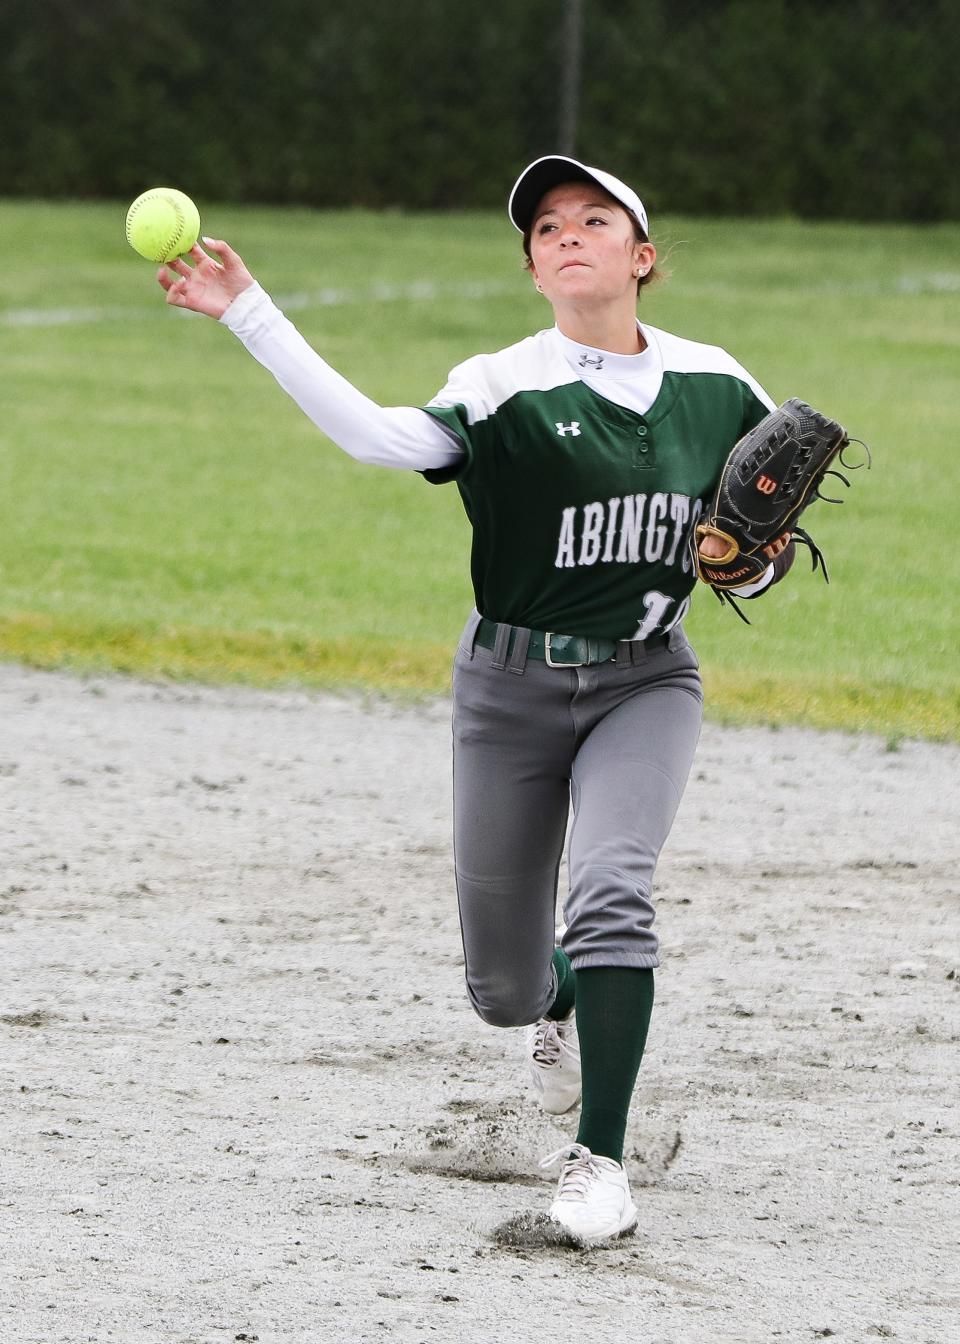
column 547, row 645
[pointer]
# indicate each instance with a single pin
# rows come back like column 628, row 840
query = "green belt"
column 564, row 650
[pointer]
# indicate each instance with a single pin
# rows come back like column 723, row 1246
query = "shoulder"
column 486, row 382
column 682, row 356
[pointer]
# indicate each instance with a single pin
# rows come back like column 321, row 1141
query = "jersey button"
column 644, row 447
column 642, row 431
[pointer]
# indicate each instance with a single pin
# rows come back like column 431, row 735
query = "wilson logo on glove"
column 742, row 574
column 765, row 485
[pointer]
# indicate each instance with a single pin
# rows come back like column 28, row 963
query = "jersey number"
column 656, row 605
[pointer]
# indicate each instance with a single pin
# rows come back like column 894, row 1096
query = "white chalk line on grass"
column 420, row 291
column 934, row 282
column 425, row 291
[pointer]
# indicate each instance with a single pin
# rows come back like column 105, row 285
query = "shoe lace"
column 548, row 1042
column 545, row 1046
column 579, row 1173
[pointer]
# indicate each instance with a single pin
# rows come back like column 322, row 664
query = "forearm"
column 398, row 436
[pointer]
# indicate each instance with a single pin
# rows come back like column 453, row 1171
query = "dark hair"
column 638, row 232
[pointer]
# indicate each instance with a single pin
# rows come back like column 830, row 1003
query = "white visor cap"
column 553, row 170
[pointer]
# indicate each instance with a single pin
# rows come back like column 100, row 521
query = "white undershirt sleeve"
column 385, row 436
column 758, row 586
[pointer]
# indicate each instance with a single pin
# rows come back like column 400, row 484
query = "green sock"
column 613, row 1013
column 566, row 984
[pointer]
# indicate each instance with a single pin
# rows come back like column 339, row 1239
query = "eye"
column 596, row 219
column 546, row 227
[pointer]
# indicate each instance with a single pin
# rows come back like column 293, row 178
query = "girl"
column 584, row 456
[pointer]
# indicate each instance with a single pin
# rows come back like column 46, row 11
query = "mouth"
column 568, row 265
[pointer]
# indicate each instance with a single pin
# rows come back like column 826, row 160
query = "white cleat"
column 553, row 1058
column 593, row 1199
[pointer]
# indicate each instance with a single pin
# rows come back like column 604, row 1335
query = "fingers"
column 714, row 545
column 174, row 276
column 175, row 286
column 223, row 250
column 203, row 258
column 201, row 282
column 177, row 293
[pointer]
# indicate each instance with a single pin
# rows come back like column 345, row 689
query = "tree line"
column 817, row 108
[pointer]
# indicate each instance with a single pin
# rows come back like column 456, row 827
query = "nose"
column 570, row 236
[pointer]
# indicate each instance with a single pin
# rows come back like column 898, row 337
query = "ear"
column 644, row 256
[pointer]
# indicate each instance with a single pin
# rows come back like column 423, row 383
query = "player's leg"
column 638, row 736
column 627, row 779
column 511, row 762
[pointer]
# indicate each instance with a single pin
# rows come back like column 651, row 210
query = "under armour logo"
column 596, row 361
column 573, row 428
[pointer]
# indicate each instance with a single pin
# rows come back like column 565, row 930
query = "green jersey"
column 582, row 508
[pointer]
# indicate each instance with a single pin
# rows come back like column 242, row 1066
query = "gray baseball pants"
column 614, row 741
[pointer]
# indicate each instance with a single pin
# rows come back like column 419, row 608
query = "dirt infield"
column 246, row 1099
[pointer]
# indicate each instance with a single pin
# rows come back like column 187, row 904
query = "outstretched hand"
column 208, row 286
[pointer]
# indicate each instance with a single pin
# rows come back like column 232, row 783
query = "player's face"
column 583, row 246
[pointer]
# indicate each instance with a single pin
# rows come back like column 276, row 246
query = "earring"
column 539, row 287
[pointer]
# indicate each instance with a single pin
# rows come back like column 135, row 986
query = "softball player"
column 584, row 456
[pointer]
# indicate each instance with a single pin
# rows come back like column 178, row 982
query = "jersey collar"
column 589, row 362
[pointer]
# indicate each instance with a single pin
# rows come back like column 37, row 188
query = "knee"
column 503, row 1015
column 506, row 1006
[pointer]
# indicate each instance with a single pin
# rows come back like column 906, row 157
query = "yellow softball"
column 162, row 224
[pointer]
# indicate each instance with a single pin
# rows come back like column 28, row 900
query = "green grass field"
column 165, row 510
